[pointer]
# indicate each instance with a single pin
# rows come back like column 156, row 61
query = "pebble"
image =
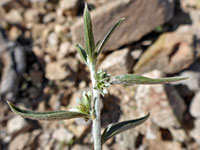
column 195, row 106
column 16, row 124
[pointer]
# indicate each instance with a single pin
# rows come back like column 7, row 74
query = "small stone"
column 14, row 33
column 159, row 144
column 14, row 16
column 19, row 142
column 127, row 139
column 190, row 3
column 178, row 134
column 45, row 138
column 78, row 130
column 63, row 50
column 71, row 68
column 136, row 53
column 70, row 7
column 80, row 147
column 195, row 106
column 62, row 135
column 56, row 70
column 118, row 62
column 193, row 81
column 31, row 15
column 49, row 17
column 16, row 125
column 171, row 53
column 53, row 39
column 54, row 102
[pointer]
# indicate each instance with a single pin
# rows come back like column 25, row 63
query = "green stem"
column 97, row 112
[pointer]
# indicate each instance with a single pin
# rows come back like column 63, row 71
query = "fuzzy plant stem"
column 96, row 130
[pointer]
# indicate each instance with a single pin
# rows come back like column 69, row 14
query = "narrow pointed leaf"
column 137, row 79
column 116, row 128
column 82, row 53
column 97, row 44
column 88, row 33
column 105, row 39
column 52, row 115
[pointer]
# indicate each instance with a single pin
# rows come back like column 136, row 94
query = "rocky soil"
column 40, row 70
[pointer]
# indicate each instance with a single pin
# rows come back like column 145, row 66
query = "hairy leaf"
column 137, row 79
column 116, row 128
column 51, row 115
column 88, row 33
column 82, row 53
column 105, row 39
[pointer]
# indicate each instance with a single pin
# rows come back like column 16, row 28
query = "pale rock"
column 31, row 15
column 50, row 145
column 171, row 53
column 14, row 33
column 127, row 139
column 62, row 135
column 105, row 147
column 82, row 85
column 195, row 132
column 62, row 28
column 80, row 147
column 193, row 81
column 159, row 144
column 136, row 25
column 195, row 106
column 40, row 33
column 82, row 122
column 54, row 101
column 63, row 50
column 69, row 7
column 16, row 125
column 19, row 142
column 57, row 70
column 78, row 130
column 71, row 68
column 14, row 16
column 52, row 51
column 45, row 138
column 53, row 39
column 47, row 59
column 190, row 3
column 34, row 135
column 152, row 131
column 178, row 134
column 116, row 146
column 136, row 53
column 38, row 51
column 118, row 62
column 49, row 18
column 154, row 99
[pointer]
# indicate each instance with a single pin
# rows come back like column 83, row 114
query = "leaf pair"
column 92, row 50
column 112, row 129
